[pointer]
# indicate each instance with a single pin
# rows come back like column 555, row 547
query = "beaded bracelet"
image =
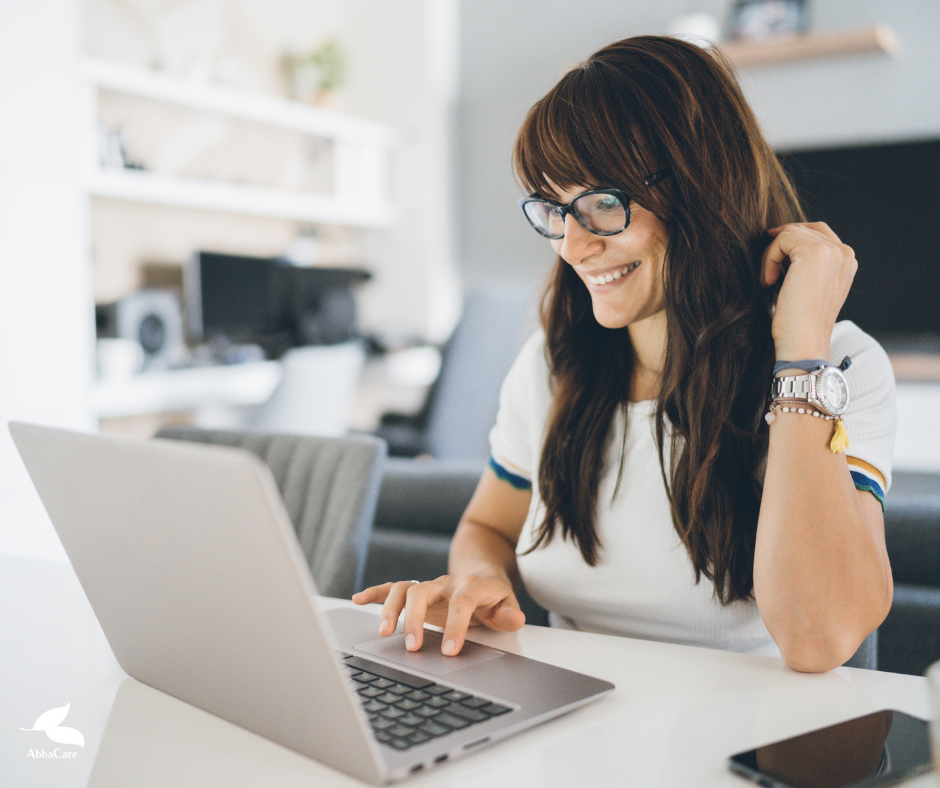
column 840, row 438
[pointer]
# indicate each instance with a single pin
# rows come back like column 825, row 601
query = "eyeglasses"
column 599, row 211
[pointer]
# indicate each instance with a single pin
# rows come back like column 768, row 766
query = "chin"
column 610, row 318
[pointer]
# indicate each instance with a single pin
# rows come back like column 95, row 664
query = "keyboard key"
column 399, row 689
column 418, row 695
column 434, row 729
column 456, row 695
column 383, row 736
column 383, row 683
column 396, row 676
column 474, row 715
column 412, row 720
column 437, row 703
column 373, row 705
column 400, row 744
column 419, row 737
column 450, row 720
column 364, row 677
column 436, row 689
column 370, row 692
column 427, row 711
column 388, row 697
column 400, row 730
column 495, row 708
column 407, row 705
column 474, row 703
column 381, row 724
column 392, row 713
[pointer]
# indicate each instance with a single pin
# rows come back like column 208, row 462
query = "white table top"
column 677, row 713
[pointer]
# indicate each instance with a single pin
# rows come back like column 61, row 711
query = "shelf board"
column 155, row 189
column 209, row 97
column 875, row 39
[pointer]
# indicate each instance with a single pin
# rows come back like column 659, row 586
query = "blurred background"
column 299, row 215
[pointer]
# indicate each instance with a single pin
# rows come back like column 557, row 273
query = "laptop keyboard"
column 406, row 710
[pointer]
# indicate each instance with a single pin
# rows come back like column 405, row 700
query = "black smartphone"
column 881, row 748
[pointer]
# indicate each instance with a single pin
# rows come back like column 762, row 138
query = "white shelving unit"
column 359, row 196
column 186, row 389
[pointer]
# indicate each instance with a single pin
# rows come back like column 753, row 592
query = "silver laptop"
column 189, row 560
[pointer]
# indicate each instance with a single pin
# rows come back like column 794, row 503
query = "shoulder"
column 871, row 417
column 871, row 367
column 531, row 365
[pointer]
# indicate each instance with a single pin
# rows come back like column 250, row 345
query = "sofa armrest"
column 912, row 532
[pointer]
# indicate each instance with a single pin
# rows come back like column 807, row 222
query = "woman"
column 641, row 481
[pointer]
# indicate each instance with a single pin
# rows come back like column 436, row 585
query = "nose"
column 577, row 243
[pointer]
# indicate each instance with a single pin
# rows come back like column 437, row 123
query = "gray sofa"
column 420, row 503
column 909, row 640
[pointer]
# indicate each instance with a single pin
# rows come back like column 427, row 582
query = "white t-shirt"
column 644, row 584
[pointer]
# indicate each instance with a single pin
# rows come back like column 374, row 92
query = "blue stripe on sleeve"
column 864, row 482
column 519, row 482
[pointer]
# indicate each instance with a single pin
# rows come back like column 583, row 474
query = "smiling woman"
column 657, row 501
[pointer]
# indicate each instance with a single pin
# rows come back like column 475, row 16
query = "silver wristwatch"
column 825, row 389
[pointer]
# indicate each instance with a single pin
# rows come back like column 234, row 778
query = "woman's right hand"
column 454, row 603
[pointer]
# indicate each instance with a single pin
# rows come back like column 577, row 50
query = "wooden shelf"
column 916, row 367
column 869, row 40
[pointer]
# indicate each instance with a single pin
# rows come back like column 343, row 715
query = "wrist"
column 800, row 352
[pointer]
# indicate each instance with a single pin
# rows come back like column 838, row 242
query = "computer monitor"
column 268, row 302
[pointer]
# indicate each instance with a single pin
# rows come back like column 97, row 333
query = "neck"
column 648, row 338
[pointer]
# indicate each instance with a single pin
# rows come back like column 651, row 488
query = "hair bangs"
column 581, row 134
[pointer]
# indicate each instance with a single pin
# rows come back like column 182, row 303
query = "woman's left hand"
column 814, row 288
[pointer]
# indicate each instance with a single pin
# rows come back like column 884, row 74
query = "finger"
column 394, row 603
column 772, row 263
column 462, row 606
column 825, row 229
column 417, row 599
column 507, row 619
column 372, row 594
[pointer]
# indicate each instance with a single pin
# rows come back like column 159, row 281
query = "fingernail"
column 411, row 642
column 383, row 627
column 450, row 647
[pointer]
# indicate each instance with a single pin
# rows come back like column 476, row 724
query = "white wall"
column 46, row 319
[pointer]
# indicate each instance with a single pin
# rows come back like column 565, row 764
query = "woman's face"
column 632, row 260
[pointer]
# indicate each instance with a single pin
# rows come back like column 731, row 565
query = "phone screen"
column 878, row 749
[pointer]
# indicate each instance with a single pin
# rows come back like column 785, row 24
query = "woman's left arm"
column 822, row 580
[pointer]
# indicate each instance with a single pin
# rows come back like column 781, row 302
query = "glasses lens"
column 601, row 212
column 546, row 218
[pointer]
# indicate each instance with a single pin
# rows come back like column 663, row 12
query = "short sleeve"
column 871, row 418
column 515, row 437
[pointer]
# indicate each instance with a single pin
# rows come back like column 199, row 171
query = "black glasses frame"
column 623, row 197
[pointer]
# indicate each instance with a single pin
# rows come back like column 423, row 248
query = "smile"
column 603, row 279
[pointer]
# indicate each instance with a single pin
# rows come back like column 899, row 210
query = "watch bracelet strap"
column 811, row 365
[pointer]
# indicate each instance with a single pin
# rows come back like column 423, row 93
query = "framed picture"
column 764, row 20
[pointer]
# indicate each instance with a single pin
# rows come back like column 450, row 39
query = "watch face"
column 832, row 391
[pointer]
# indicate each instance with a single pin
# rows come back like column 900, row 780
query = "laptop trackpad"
column 429, row 659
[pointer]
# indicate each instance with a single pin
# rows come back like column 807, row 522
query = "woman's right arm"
column 483, row 572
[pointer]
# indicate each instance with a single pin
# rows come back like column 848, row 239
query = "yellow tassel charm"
column 840, row 439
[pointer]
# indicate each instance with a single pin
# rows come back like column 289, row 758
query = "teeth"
column 605, row 278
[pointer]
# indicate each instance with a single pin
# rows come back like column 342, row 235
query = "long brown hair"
column 635, row 107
